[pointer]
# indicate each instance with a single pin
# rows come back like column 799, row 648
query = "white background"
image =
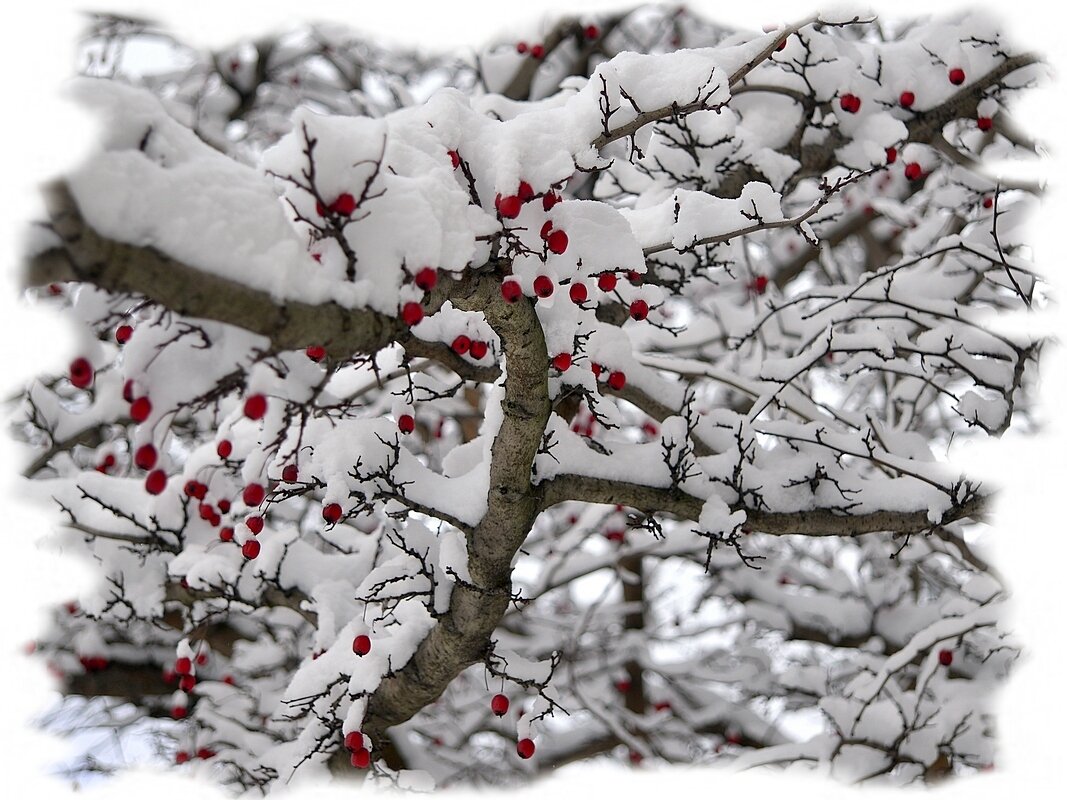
column 41, row 136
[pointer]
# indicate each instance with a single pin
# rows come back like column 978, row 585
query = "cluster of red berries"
column 850, row 103
column 344, row 205
column 555, row 240
column 536, row 51
column 463, row 345
column 93, row 663
column 182, row 756
column 616, row 379
column 354, row 743
column 412, row 313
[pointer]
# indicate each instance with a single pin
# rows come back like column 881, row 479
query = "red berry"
column 987, row 202
column 361, row 758
column 226, row 534
column 455, row 158
column 781, row 44
column 315, row 352
column 907, row 99
column 201, row 658
column 127, row 391
column 607, row 281
column 850, row 103
column 181, row 757
column 639, row 310
column 81, row 373
column 155, row 482
column 179, row 712
column 344, row 205
column 187, row 683
column 543, row 286
column 945, row 658
column 635, row 757
column 985, row 123
column 618, row 536
column 509, row 206
column 254, row 523
column 191, row 488
column 406, row 423
column 461, row 345
column 411, row 314
column 123, row 333
column 145, row 457
column 224, row 506
column 617, row 380
column 228, row 680
column 526, row 191
column 479, row 349
column 511, row 291
column 890, row 155
column 592, row 32
column 289, row 473
column 255, row 406
column 634, row 278
column 500, row 704
column 662, row 705
column 140, row 409
column 522, row 47
column 525, row 748
column 361, row 645
column 549, row 200
column 537, row 51
column 250, row 549
column 426, row 278
column 758, row 285
column 332, row 513
column 956, row 76
column 320, row 209
column 253, row 494
column 354, row 740
column 562, row 362
column 913, row 171
column 183, row 666
column 579, row 294
column 206, row 511
column 546, row 229
column 557, row 242
column 205, row 753
column 224, row 448
column 597, row 369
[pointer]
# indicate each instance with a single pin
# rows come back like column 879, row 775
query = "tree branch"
column 815, row 522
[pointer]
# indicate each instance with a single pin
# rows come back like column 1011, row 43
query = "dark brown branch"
column 461, row 636
column 816, row 522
